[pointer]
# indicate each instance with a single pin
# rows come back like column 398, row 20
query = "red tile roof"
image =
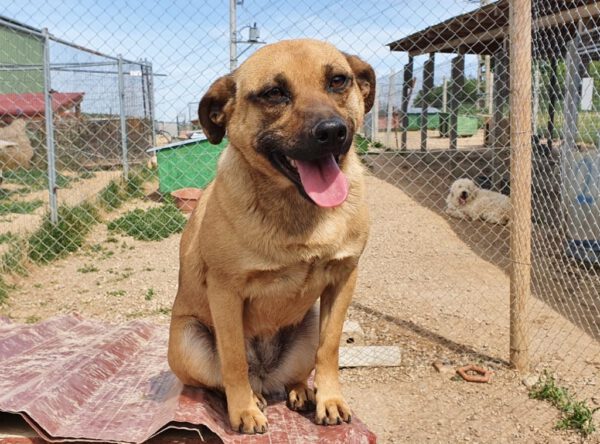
column 72, row 378
column 32, row 104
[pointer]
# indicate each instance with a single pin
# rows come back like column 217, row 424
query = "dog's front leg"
column 242, row 404
column 331, row 407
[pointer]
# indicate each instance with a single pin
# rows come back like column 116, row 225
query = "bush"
column 154, row 224
column 52, row 241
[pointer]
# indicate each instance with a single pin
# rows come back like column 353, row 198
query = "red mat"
column 77, row 379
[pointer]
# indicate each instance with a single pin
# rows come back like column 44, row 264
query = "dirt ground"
column 421, row 287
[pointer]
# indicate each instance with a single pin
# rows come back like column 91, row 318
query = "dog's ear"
column 365, row 78
column 211, row 111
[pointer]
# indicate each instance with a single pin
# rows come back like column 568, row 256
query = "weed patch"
column 52, row 241
column 149, row 294
column 19, row 207
column 14, row 259
column 576, row 415
column 87, row 268
column 35, row 179
column 154, row 224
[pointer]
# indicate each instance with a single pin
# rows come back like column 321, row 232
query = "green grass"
column 118, row 191
column 87, row 268
column 576, row 415
column 588, row 126
column 154, row 224
column 33, row 319
column 116, row 293
column 112, row 196
column 14, row 259
column 4, row 289
column 34, row 179
column 7, row 237
column 52, row 241
column 19, row 207
column 149, row 294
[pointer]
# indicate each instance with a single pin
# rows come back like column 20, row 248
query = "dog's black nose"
column 330, row 133
column 464, row 195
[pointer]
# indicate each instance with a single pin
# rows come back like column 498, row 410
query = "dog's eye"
column 275, row 94
column 338, row 82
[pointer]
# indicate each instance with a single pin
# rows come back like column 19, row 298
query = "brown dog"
column 282, row 225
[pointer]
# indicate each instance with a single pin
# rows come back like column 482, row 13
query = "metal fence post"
column 123, row 119
column 52, row 189
column 520, row 171
column 150, row 71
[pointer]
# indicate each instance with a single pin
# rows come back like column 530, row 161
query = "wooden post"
column 375, row 117
column 552, row 96
column 520, row 180
column 458, row 77
column 572, row 97
column 489, row 85
column 445, row 95
column 390, row 108
column 407, row 88
column 428, row 73
column 501, row 93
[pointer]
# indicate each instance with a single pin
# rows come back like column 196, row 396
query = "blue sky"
column 188, row 40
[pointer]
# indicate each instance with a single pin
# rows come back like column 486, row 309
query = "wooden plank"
column 370, row 356
column 407, row 88
column 458, row 80
column 485, row 38
column 428, row 74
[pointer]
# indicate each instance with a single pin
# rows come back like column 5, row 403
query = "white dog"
column 467, row 201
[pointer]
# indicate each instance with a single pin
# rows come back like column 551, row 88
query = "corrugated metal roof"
column 32, row 104
column 78, row 379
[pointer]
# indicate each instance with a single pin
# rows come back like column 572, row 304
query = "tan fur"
column 256, row 255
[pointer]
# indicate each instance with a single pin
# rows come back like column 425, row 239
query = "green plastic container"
column 188, row 164
column 467, row 125
column 414, row 121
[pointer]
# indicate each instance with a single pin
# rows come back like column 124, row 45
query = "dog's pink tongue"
column 323, row 181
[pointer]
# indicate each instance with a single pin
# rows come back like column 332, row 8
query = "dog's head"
column 463, row 191
column 292, row 109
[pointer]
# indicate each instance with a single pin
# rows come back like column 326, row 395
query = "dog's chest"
column 279, row 297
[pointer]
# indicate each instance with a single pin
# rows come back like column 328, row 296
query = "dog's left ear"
column 211, row 111
column 365, row 78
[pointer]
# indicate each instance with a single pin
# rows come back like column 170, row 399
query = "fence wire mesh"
column 88, row 221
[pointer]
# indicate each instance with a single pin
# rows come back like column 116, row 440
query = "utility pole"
column 232, row 35
column 253, row 35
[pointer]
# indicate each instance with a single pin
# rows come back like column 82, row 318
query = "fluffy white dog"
column 467, row 201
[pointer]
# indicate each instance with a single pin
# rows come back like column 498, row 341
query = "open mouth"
column 319, row 180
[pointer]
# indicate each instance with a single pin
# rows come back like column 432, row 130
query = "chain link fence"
column 122, row 132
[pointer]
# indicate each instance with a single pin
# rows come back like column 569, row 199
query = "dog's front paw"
column 332, row 410
column 248, row 421
column 260, row 401
column 300, row 397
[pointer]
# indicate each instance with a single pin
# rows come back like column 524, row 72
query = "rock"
column 530, row 380
column 370, row 356
column 444, row 368
column 16, row 150
column 352, row 334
